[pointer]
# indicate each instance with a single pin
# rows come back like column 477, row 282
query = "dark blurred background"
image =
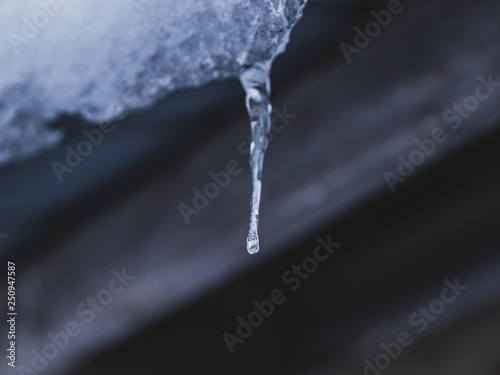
column 325, row 176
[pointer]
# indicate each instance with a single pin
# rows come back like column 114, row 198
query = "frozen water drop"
column 253, row 242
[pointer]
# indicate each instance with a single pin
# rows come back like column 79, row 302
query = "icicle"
column 255, row 81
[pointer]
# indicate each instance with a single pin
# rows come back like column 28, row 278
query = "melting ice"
column 100, row 60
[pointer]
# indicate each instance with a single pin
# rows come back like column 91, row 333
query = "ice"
column 101, row 59
column 257, row 86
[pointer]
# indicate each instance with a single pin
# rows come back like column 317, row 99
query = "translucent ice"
column 257, row 87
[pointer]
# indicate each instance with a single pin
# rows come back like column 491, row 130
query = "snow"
column 99, row 60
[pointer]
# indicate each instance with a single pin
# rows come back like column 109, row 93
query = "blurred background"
column 145, row 289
